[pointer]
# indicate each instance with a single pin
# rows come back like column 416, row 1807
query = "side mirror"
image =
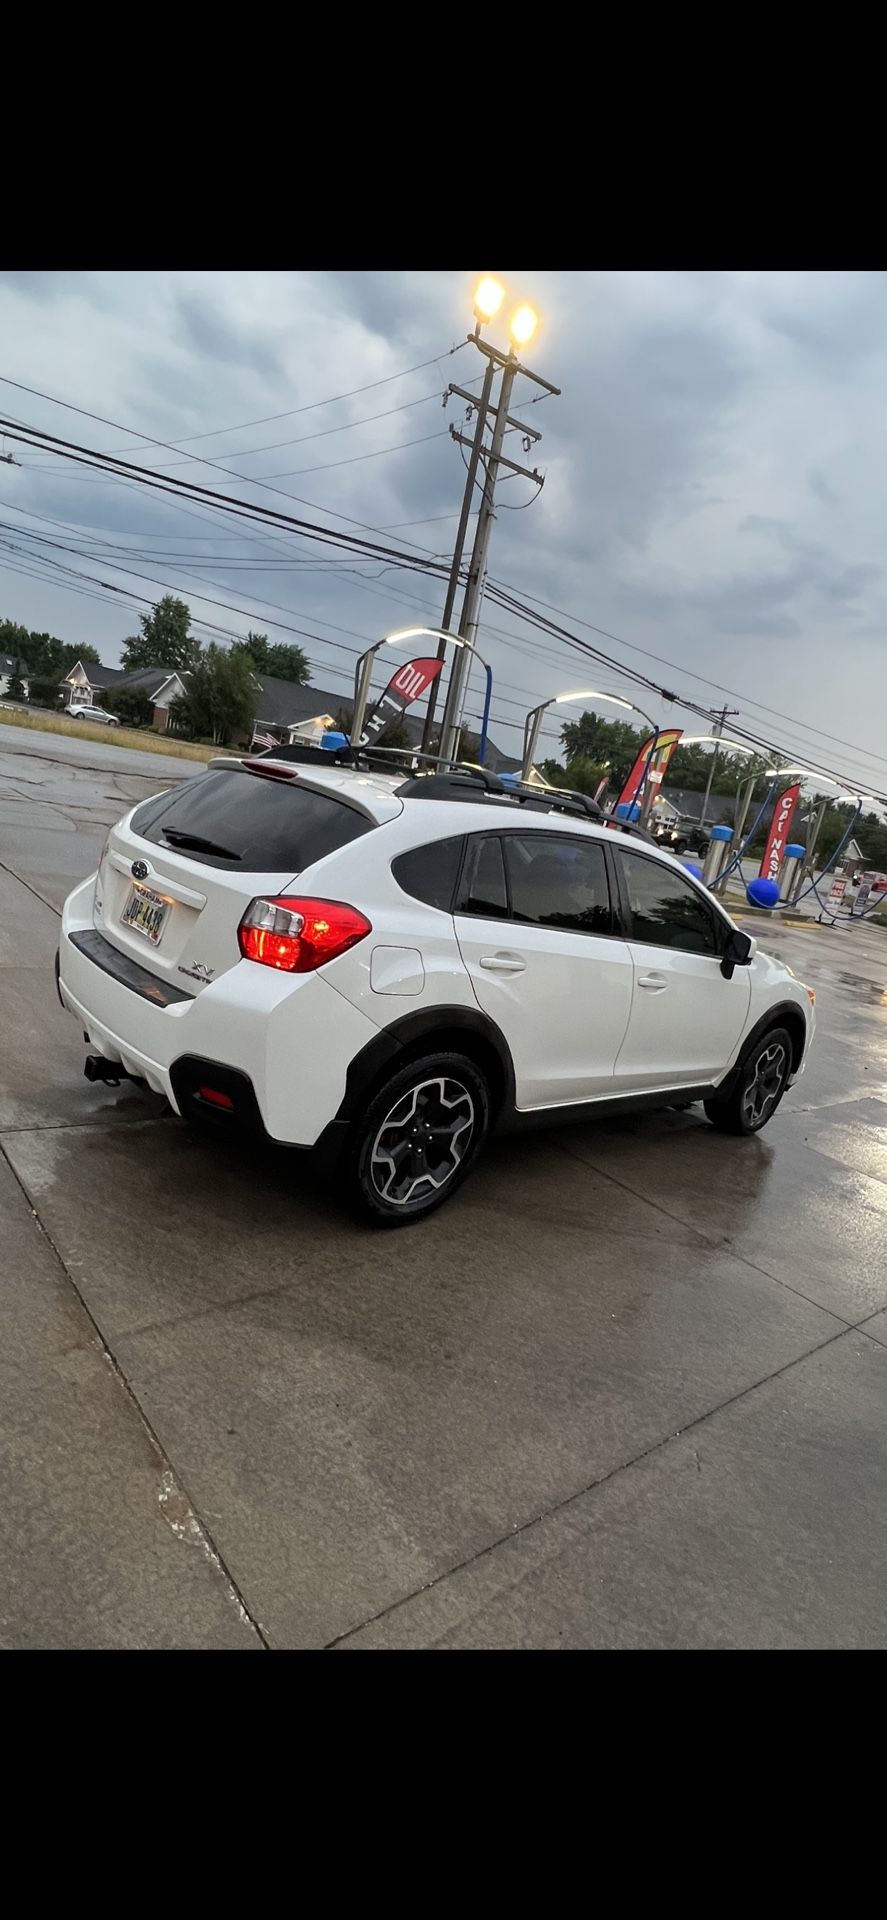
column 738, row 952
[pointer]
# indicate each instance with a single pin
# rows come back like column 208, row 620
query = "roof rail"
column 445, row 779
column 448, row 780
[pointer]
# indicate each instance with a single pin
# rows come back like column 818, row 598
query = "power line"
column 267, row 419
column 229, row 503
column 322, row 433
column 351, row 460
column 392, row 557
column 618, row 640
column 292, row 473
column 169, row 446
column 756, row 705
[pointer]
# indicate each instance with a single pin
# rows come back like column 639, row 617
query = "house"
column 685, row 803
column 852, row 857
column 162, row 685
column 283, row 707
column 86, row 679
column 89, row 680
column 9, row 666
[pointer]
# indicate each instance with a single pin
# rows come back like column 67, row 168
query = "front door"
column 535, row 927
column 685, row 1018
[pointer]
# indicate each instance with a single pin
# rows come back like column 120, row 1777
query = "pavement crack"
column 717, row 1241
column 181, row 1507
column 30, row 889
column 579, row 1493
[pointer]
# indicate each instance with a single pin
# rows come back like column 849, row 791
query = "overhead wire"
column 392, row 557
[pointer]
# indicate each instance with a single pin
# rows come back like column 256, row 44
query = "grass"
column 141, row 739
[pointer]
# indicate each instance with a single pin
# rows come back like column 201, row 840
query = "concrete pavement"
column 628, row 1389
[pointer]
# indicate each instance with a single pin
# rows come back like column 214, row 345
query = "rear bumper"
column 291, row 1038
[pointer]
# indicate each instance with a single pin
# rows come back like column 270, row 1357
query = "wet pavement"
column 629, row 1388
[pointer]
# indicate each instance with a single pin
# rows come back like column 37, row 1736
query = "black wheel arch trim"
column 784, row 1010
column 389, row 1045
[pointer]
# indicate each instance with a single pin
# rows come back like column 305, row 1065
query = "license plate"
column 145, row 912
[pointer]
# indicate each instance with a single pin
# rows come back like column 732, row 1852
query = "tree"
column 165, row 640
column 280, row 661
column 583, row 776
column 132, row 705
column 609, row 743
column 258, row 647
column 16, row 688
column 44, row 691
column 46, row 655
column 220, row 698
column 69, row 655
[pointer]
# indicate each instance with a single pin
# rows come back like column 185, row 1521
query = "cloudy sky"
column 715, row 473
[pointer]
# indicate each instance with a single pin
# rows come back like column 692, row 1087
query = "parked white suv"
column 390, row 966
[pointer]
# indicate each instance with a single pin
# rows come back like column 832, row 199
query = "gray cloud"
column 715, row 469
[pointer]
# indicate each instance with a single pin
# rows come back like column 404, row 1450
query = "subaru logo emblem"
column 139, row 870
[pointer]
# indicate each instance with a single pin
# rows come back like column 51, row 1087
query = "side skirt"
column 608, row 1109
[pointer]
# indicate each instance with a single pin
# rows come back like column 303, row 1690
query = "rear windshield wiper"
column 196, row 842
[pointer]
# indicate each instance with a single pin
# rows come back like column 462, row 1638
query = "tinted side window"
column 558, row 883
column 483, row 882
column 255, row 822
column 430, row 873
column 665, row 910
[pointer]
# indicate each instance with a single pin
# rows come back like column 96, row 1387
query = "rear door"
column 176, row 881
column 685, row 1017
column 535, row 926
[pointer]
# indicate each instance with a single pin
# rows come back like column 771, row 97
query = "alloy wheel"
column 765, row 1086
column 422, row 1141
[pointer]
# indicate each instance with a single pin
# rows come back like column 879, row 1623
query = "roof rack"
column 446, row 779
column 456, row 779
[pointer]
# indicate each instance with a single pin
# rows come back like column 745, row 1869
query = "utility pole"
column 477, row 570
column 720, row 723
column 453, row 582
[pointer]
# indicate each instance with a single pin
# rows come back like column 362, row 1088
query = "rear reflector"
column 216, row 1099
column 299, row 935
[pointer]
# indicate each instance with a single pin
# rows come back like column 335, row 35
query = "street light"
column 715, row 740
column 523, row 324
column 364, row 669
column 488, row 297
column 533, row 722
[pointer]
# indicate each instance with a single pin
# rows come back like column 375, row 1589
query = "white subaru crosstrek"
column 389, row 966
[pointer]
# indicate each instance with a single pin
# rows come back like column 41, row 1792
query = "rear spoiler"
column 268, row 770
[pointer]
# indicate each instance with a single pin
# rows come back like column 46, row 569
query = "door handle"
column 653, row 982
column 502, row 963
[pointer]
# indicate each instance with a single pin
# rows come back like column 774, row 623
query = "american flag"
column 262, row 740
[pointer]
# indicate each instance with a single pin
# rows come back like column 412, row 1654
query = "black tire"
column 680, row 848
column 396, row 1165
column 758, row 1087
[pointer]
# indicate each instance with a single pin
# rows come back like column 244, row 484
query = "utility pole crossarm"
column 507, row 360
column 525, row 472
column 529, row 433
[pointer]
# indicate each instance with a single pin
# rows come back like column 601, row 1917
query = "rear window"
column 246, row 820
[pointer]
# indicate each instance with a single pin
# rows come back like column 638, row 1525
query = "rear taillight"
column 296, row 936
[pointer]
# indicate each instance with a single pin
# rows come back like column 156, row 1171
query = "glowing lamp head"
column 523, row 325
column 488, row 297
